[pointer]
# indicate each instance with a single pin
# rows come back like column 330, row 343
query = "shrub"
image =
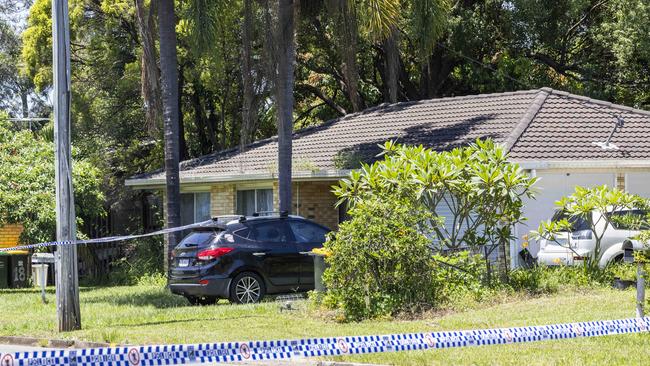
column 461, row 275
column 475, row 185
column 142, row 262
column 547, row 280
column 381, row 262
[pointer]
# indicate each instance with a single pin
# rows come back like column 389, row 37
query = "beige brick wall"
column 315, row 201
column 312, row 200
column 10, row 234
column 223, row 199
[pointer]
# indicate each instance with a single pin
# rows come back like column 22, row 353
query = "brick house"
column 10, row 235
column 564, row 139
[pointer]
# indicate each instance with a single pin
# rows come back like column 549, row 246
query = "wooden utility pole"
column 67, row 282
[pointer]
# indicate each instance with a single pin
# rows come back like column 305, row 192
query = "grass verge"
column 151, row 315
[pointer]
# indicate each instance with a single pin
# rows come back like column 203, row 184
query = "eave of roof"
column 319, row 175
column 604, row 164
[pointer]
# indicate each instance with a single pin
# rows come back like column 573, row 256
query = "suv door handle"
column 259, row 254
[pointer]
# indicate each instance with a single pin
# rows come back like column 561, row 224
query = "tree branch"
column 320, row 95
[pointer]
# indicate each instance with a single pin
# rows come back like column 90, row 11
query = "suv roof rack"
column 266, row 213
column 227, row 218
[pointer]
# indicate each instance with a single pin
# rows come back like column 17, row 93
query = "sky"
column 17, row 18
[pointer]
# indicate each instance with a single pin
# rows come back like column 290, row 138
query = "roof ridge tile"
column 527, row 118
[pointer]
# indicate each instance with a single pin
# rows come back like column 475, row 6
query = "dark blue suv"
column 245, row 258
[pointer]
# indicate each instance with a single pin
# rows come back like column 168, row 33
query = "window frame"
column 255, row 198
column 194, row 203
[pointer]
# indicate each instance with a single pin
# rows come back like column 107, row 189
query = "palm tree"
column 248, row 112
column 426, row 22
column 169, row 76
column 345, row 18
column 150, row 74
column 391, row 64
column 285, row 58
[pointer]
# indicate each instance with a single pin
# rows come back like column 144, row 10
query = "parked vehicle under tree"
column 246, row 258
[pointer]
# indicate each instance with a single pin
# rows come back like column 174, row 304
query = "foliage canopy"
column 27, row 184
column 474, row 193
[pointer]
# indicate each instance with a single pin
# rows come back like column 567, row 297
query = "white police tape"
column 108, row 239
column 331, row 346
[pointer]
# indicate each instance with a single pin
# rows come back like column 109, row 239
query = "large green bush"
column 381, row 262
column 475, row 185
column 27, row 184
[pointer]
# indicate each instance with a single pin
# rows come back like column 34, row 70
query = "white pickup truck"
column 573, row 247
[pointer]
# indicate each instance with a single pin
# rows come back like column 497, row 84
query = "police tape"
column 315, row 347
column 108, row 239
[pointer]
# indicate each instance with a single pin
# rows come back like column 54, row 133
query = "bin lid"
column 43, row 258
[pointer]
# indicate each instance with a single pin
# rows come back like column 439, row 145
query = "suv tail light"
column 210, row 254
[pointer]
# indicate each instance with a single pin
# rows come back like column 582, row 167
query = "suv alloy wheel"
column 247, row 288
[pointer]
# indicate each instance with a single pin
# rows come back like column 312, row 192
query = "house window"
column 250, row 201
column 195, row 207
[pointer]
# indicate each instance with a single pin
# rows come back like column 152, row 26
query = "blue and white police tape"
column 108, row 239
column 313, row 347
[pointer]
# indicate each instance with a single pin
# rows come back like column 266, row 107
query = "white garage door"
column 638, row 183
column 551, row 187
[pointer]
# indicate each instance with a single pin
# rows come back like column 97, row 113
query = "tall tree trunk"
column 183, row 154
column 222, row 124
column 224, row 103
column 150, row 74
column 391, row 54
column 346, row 21
column 207, row 141
column 248, row 114
column 24, row 103
column 213, row 123
column 284, row 98
column 169, row 73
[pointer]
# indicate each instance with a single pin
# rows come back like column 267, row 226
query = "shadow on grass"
column 164, row 322
column 160, row 299
column 37, row 290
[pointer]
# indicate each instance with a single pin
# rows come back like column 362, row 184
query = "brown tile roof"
column 566, row 127
column 540, row 124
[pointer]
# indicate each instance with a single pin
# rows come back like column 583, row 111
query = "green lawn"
column 142, row 314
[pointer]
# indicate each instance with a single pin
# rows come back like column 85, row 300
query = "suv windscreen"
column 198, row 239
column 577, row 223
column 628, row 219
